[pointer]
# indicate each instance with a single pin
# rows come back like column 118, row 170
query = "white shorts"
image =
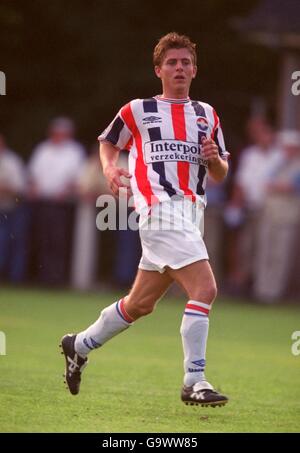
column 171, row 235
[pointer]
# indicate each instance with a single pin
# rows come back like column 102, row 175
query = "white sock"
column 113, row 320
column 194, row 332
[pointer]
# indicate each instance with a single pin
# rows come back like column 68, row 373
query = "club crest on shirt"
column 202, row 123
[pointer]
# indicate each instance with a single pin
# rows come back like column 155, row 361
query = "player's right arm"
column 113, row 139
column 109, row 156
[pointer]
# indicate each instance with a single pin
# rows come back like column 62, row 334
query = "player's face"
column 59, row 135
column 176, row 72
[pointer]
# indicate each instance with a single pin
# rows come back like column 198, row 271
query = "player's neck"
column 168, row 94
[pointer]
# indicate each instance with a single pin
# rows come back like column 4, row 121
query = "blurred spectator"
column 117, row 252
column 279, row 232
column 214, row 226
column 54, row 169
column 13, row 215
column 87, row 239
column 243, row 212
column 128, row 246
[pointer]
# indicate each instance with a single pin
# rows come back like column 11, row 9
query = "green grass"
column 132, row 384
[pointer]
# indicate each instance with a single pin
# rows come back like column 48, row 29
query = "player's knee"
column 212, row 292
column 207, row 294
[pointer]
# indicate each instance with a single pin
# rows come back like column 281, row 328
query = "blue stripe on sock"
column 120, row 314
column 194, row 314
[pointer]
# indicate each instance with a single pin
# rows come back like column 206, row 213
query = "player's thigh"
column 197, row 280
column 148, row 287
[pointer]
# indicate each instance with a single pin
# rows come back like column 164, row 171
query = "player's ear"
column 195, row 71
column 157, row 71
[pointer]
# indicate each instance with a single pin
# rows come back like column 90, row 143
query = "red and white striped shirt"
column 163, row 137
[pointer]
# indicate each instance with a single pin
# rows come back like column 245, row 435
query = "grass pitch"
column 133, row 383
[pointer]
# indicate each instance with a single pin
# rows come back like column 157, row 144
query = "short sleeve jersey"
column 163, row 137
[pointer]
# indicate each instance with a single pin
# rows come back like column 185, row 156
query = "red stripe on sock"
column 124, row 312
column 197, row 308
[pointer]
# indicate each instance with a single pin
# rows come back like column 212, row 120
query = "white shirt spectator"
column 12, row 177
column 253, row 172
column 54, row 167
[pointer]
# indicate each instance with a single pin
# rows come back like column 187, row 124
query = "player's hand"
column 209, row 150
column 113, row 176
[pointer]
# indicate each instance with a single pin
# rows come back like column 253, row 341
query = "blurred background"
column 71, row 65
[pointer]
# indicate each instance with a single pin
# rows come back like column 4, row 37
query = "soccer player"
column 173, row 143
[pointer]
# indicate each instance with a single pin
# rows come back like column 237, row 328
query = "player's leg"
column 148, row 288
column 198, row 282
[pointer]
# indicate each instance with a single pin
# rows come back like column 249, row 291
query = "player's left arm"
column 217, row 166
column 213, row 148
